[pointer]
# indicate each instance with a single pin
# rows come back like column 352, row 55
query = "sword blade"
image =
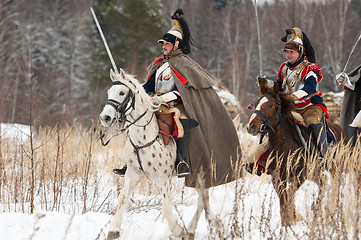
column 353, row 49
column 259, row 40
column 104, row 41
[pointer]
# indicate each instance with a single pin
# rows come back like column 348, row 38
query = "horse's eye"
column 271, row 105
column 121, row 93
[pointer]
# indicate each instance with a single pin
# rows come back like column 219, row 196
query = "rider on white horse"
column 162, row 87
column 178, row 81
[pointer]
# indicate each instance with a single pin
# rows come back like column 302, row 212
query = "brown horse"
column 290, row 158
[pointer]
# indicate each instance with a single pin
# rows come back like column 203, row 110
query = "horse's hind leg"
column 168, row 214
column 203, row 203
column 130, row 182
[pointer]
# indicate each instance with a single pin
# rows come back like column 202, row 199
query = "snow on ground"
column 259, row 203
column 334, row 97
column 149, row 223
column 18, row 132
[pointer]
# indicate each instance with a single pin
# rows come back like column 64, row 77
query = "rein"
column 266, row 127
column 102, row 135
column 122, row 109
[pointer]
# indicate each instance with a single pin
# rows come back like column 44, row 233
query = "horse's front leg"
column 168, row 214
column 131, row 179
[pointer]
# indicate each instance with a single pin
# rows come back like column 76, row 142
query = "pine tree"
column 131, row 30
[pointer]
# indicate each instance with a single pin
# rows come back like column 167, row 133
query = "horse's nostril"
column 251, row 128
column 107, row 118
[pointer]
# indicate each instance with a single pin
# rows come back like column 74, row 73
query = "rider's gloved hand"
column 158, row 100
column 164, row 99
column 342, row 78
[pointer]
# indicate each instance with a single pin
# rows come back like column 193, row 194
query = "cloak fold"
column 351, row 103
column 214, row 149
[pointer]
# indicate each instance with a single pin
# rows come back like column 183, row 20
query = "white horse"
column 146, row 154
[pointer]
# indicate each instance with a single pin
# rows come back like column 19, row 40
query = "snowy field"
column 148, row 222
column 252, row 198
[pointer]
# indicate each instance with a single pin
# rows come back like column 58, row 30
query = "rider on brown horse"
column 300, row 76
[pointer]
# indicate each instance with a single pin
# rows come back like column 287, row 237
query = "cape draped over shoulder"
column 214, row 148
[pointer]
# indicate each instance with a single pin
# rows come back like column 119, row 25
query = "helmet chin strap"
column 176, row 44
column 300, row 47
column 175, row 47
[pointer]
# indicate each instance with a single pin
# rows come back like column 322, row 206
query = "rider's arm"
column 309, row 87
column 279, row 84
column 150, row 84
column 171, row 96
column 174, row 95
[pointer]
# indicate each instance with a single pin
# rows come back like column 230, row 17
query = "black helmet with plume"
column 179, row 34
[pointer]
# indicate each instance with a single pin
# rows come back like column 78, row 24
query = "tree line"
column 54, row 67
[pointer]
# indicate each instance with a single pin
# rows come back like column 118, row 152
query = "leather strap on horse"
column 267, row 120
column 137, row 148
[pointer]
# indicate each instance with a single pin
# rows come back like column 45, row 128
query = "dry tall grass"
column 66, row 169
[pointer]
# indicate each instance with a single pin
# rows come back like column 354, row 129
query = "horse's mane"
column 133, row 84
column 286, row 105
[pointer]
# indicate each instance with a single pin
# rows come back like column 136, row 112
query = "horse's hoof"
column 188, row 236
column 113, row 235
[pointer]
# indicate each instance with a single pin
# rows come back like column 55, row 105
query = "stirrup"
column 183, row 169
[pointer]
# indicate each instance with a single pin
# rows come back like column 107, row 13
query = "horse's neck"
column 282, row 138
column 146, row 128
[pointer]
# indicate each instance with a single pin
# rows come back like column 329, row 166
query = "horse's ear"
column 262, row 89
column 262, row 82
column 122, row 73
column 276, row 88
column 112, row 75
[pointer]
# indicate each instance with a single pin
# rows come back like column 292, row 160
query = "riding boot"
column 182, row 165
column 319, row 137
column 352, row 133
column 121, row 171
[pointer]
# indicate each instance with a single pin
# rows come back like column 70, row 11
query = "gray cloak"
column 214, row 149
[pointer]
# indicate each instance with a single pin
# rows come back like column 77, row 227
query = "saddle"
column 302, row 134
column 169, row 123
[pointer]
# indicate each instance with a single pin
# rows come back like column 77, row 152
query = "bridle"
column 266, row 126
column 121, row 109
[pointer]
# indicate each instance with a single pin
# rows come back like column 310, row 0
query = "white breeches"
column 356, row 121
